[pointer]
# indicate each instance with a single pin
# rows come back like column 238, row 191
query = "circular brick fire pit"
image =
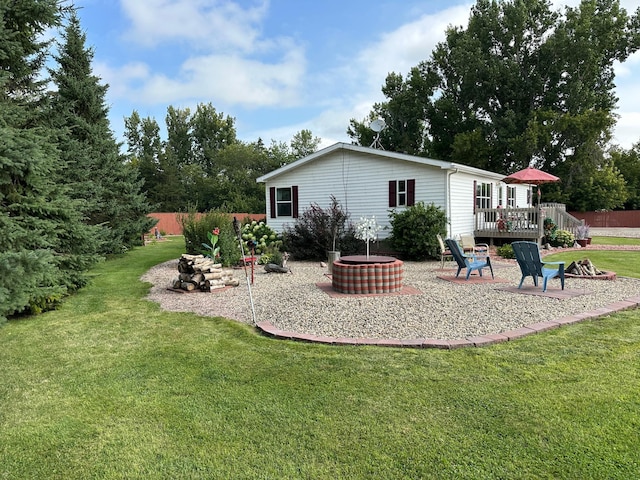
column 359, row 274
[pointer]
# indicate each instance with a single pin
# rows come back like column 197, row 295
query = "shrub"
column 506, row 251
column 563, row 238
column 195, row 231
column 261, row 234
column 271, row 254
column 414, row 230
column 314, row 232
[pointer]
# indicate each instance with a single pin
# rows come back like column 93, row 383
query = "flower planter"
column 582, row 242
column 361, row 275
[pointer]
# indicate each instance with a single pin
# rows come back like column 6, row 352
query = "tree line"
column 522, row 84
column 202, row 164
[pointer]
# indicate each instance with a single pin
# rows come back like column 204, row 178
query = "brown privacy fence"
column 618, row 219
column 168, row 221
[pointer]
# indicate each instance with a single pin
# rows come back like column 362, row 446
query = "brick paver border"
column 479, row 341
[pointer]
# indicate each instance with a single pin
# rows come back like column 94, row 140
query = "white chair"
column 445, row 253
column 469, row 245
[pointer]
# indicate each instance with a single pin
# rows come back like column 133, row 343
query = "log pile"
column 583, row 268
column 198, row 272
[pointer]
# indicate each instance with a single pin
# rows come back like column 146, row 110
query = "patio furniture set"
column 475, row 257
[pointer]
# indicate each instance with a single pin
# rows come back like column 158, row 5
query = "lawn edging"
column 268, row 329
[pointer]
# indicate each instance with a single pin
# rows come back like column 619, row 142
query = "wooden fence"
column 168, row 221
column 617, row 219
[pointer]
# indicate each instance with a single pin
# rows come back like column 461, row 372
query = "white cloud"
column 405, row 47
column 231, row 80
column 361, row 79
column 219, row 24
column 121, row 78
column 626, row 132
column 225, row 67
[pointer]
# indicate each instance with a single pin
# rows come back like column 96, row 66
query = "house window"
column 402, row 193
column 283, row 201
column 483, row 195
column 511, row 197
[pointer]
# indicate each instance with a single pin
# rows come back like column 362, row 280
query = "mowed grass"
column 624, row 263
column 615, row 241
column 109, row 386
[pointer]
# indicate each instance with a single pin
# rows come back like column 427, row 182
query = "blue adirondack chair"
column 531, row 264
column 470, row 262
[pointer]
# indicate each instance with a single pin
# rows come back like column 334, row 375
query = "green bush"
column 271, row 254
column 261, row 234
column 313, row 233
column 414, row 230
column 195, row 232
column 563, row 238
column 506, row 251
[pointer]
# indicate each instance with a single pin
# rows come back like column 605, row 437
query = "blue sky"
column 280, row 66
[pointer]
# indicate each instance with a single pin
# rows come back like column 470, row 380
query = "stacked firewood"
column 198, row 272
column 584, row 268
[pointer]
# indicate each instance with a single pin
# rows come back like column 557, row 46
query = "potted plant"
column 582, row 235
column 550, row 229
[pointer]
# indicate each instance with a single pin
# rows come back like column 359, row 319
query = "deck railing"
column 522, row 223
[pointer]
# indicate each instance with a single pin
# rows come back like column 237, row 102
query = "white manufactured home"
column 368, row 181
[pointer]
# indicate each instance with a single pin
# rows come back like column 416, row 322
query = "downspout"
column 448, row 198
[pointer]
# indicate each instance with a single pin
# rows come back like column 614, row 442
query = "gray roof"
column 380, row 153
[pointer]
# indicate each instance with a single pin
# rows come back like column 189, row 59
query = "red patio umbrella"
column 531, row 176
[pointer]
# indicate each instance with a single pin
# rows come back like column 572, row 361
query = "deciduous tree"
column 520, row 84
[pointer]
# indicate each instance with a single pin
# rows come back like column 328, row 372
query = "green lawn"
column 624, row 263
column 109, row 386
column 615, row 241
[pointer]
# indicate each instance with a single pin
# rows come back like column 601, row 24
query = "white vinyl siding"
column 360, row 182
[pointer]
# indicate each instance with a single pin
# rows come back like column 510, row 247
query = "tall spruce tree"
column 97, row 173
column 42, row 246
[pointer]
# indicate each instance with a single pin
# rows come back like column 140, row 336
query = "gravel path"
column 443, row 310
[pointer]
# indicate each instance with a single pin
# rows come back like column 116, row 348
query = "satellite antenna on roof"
column 377, row 126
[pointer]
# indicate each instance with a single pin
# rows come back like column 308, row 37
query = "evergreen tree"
column 42, row 246
column 96, row 172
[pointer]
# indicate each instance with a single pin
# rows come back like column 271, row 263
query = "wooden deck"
column 522, row 223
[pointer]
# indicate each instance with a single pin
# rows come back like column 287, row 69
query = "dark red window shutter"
column 272, row 201
column 475, row 194
column 411, row 192
column 294, row 201
column 392, row 193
